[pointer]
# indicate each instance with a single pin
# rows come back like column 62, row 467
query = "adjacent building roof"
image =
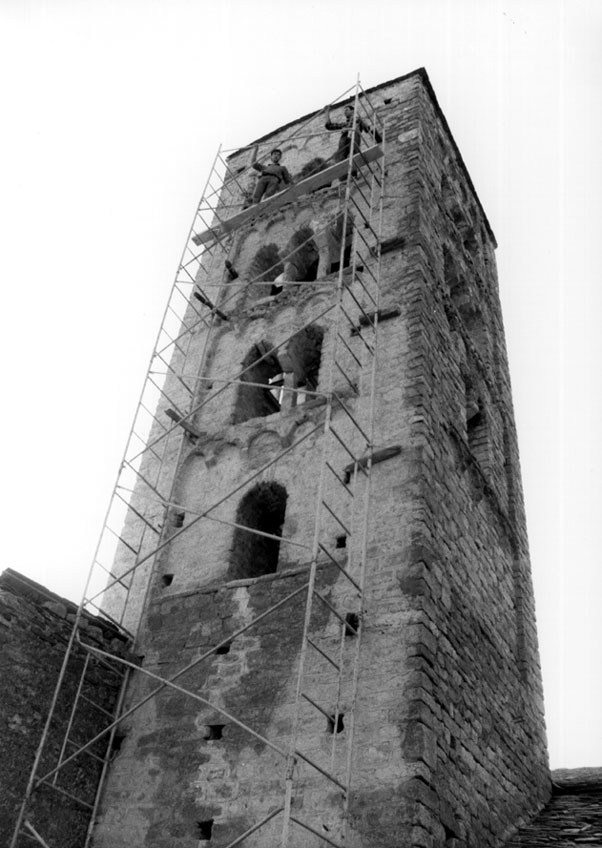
column 573, row 815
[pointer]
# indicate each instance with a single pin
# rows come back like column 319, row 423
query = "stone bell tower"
column 334, row 609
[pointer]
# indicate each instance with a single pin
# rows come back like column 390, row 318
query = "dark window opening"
column 214, row 731
column 393, row 243
column 224, row 649
column 478, row 441
column 303, row 356
column 458, row 218
column 455, row 284
column 301, row 264
column 449, row 833
column 314, row 166
column 387, row 100
column 476, row 426
column 341, row 542
column 204, row 829
column 352, row 624
column 334, row 266
column 465, row 304
column 116, row 743
column 231, row 271
column 264, row 268
column 470, row 242
column 447, row 193
column 263, row 509
column 336, row 236
column 254, row 401
column 167, row 580
column 311, row 273
column 335, row 724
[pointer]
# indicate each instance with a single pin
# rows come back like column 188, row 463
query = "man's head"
column 276, row 154
column 348, row 111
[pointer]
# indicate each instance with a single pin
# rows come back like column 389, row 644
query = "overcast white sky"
column 112, row 111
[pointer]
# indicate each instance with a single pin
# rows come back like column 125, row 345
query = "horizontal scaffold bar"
column 272, row 203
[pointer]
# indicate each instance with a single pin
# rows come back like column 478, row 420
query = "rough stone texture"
column 449, row 734
column 35, row 626
column 572, row 816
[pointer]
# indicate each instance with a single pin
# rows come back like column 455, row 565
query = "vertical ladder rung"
column 352, row 455
column 340, row 479
column 116, row 579
column 347, row 411
column 317, row 832
column 369, row 166
column 358, row 304
column 334, row 611
column 254, row 827
column 317, row 706
column 337, row 519
column 97, row 706
column 352, row 385
column 324, row 654
column 154, row 417
column 138, row 514
column 367, row 225
column 350, row 320
column 340, row 567
column 356, row 331
column 178, row 317
column 161, row 390
column 62, row 791
column 139, row 474
column 121, row 539
column 85, row 751
column 366, row 265
column 176, row 375
column 349, row 349
column 326, row 774
column 359, row 190
column 359, row 280
column 172, row 343
column 35, row 833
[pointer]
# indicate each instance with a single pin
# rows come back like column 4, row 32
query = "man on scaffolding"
column 274, row 177
column 345, row 138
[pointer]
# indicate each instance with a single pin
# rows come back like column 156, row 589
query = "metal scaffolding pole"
column 129, row 522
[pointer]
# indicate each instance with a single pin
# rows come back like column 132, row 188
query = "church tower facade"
column 324, row 560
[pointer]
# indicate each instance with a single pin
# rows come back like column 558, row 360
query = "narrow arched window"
column 264, row 268
column 477, row 431
column 314, row 166
column 261, row 509
column 259, row 389
column 303, row 355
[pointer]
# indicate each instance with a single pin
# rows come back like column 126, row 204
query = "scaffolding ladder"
column 354, row 310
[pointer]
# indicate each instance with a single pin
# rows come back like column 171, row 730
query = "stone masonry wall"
column 477, row 704
column 449, row 735
column 35, row 626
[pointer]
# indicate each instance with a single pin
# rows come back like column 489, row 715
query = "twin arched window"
column 260, row 389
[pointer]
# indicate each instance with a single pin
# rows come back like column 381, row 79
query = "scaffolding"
column 157, row 444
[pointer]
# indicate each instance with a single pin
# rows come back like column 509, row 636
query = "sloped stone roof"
column 573, row 815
